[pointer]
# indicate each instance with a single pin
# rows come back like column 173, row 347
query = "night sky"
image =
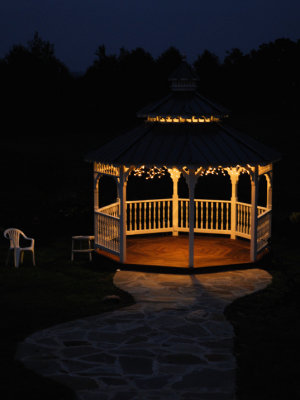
column 78, row 27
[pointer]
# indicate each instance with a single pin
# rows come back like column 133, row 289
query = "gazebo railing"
column 211, row 216
column 107, row 228
column 156, row 216
column 149, row 216
column 243, row 219
column 112, row 209
column 264, row 229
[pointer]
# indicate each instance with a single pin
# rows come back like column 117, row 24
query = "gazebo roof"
column 184, row 144
column 206, row 143
column 185, row 104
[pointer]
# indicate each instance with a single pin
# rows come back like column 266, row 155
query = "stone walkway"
column 175, row 343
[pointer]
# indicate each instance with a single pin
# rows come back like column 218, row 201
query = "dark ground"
column 47, row 192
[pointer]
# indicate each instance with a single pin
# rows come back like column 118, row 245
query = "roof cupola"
column 183, row 79
column 183, row 104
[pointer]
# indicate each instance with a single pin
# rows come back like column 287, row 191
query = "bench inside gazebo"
column 183, row 134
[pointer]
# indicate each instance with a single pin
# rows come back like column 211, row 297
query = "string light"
column 239, row 170
column 158, row 172
column 179, row 119
column 202, row 171
column 150, row 172
column 211, row 171
column 139, row 171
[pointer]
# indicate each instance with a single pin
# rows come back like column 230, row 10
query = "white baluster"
column 159, row 221
column 228, row 212
column 140, row 216
column 248, row 220
column 186, row 214
column 221, row 215
column 181, row 214
column 130, row 217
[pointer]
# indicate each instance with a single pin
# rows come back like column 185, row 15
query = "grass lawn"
column 267, row 328
column 33, row 298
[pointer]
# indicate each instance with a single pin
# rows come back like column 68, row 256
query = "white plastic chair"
column 13, row 235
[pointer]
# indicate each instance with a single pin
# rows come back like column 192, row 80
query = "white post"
column 175, row 175
column 234, row 177
column 122, row 193
column 191, row 180
column 254, row 195
column 118, row 195
column 269, row 179
column 96, row 192
column 96, row 207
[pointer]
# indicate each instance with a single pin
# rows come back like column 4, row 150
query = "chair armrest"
column 30, row 239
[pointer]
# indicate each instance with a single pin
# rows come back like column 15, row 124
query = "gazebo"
column 183, row 134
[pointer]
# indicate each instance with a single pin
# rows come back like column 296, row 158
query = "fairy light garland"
column 150, row 173
column 221, row 171
column 158, row 172
column 210, row 171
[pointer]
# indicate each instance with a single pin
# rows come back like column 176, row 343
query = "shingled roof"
column 177, row 144
column 184, row 143
column 184, row 104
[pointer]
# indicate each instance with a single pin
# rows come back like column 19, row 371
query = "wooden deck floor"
column 169, row 251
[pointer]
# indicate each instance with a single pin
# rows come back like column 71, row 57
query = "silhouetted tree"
column 207, row 67
column 275, row 67
column 36, row 86
column 166, row 63
column 233, row 58
column 41, row 49
column 120, row 85
column 235, row 79
column 136, row 74
column 100, row 82
column 38, row 89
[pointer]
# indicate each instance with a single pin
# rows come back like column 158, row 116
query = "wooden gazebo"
column 183, row 134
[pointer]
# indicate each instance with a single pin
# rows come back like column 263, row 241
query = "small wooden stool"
column 82, row 249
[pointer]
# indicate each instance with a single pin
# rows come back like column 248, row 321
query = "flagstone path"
column 174, row 343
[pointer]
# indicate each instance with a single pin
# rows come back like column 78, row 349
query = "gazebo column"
column 191, row 181
column 96, row 192
column 269, row 179
column 122, row 196
column 118, row 195
column 234, row 177
column 175, row 175
column 253, row 230
column 96, row 206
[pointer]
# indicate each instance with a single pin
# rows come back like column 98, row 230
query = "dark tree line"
column 50, row 118
column 39, row 93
